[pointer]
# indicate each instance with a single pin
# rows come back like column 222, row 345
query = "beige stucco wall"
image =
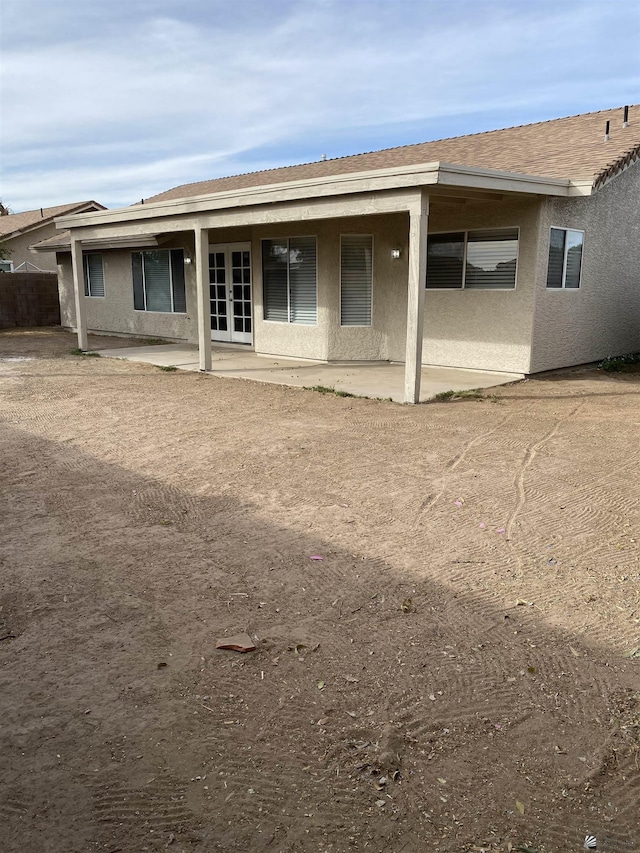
column 602, row 317
column 19, row 247
column 483, row 329
column 114, row 311
column 327, row 340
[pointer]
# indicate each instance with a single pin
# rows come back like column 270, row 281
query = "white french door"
column 230, row 292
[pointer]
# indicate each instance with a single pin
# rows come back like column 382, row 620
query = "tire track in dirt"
column 529, row 457
column 431, row 500
column 158, row 808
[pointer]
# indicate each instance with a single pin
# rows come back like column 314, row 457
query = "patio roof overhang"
column 443, row 180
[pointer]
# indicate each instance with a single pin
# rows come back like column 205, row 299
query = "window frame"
column 288, row 238
column 563, row 287
column 368, row 325
column 87, row 275
column 462, row 287
column 145, row 310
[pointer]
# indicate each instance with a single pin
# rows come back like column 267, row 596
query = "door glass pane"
column 220, row 259
column 222, row 324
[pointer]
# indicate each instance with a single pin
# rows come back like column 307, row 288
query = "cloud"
column 120, row 100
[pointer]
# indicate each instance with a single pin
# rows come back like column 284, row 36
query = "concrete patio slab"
column 364, row 379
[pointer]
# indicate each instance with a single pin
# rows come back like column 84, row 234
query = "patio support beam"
column 418, row 221
column 202, row 297
column 78, row 292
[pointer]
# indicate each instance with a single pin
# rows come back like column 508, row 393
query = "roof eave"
column 379, row 180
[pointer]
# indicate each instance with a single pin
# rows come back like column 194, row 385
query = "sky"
column 116, row 100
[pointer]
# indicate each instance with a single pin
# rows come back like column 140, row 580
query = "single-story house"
column 515, row 250
column 18, row 231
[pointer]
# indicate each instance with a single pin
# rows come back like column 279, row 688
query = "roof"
column 570, row 148
column 17, row 223
column 61, row 242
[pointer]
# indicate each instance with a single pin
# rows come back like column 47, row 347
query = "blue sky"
column 116, row 100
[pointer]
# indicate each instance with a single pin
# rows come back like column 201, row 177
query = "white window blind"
column 491, row 259
column 302, row 280
column 158, row 280
column 473, row 260
column 356, row 279
column 93, row 275
column 289, row 280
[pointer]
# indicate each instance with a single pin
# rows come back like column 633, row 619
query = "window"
column 93, row 275
column 473, row 260
column 289, row 280
column 6, row 265
column 356, row 279
column 158, row 281
column 565, row 258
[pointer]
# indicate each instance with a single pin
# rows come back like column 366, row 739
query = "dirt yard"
column 459, row 672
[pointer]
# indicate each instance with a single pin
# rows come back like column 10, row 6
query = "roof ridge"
column 390, row 148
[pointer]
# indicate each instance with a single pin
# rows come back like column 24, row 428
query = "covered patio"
column 362, row 379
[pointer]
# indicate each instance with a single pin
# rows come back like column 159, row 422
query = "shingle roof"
column 15, row 223
column 572, row 148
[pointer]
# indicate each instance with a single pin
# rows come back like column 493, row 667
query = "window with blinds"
column 565, row 259
column 289, row 280
column 93, row 275
column 356, row 279
column 473, row 260
column 158, row 281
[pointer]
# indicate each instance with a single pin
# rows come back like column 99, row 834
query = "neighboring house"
column 18, row 231
column 516, row 250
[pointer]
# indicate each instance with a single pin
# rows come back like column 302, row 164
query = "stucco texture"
column 19, row 248
column 602, row 317
column 484, row 329
column 114, row 312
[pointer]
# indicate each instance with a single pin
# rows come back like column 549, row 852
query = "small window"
column 356, row 279
column 158, row 281
column 289, row 280
column 93, row 275
column 6, row 265
column 473, row 260
column 565, row 259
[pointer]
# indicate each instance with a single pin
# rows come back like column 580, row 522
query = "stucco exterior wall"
column 482, row 329
column 114, row 312
column 488, row 330
column 19, row 247
column 602, row 317
column 328, row 340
